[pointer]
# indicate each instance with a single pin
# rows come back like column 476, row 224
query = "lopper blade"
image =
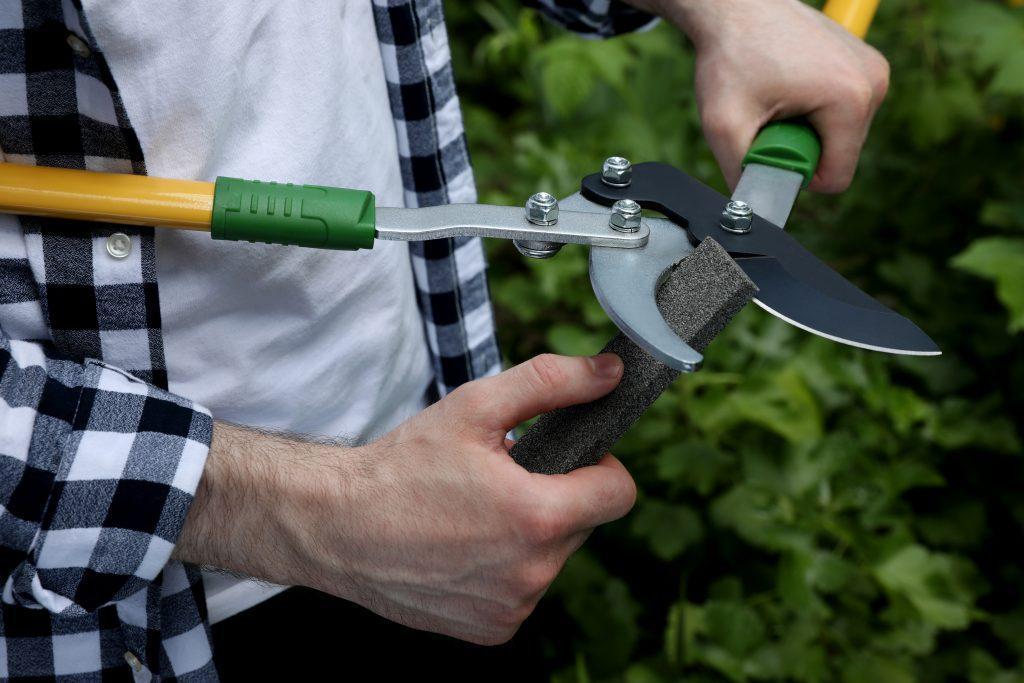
column 794, row 284
column 871, row 326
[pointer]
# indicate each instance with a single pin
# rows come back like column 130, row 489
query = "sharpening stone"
column 698, row 299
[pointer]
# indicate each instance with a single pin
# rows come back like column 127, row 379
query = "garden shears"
column 630, row 253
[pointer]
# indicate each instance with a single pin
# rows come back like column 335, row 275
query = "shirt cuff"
column 127, row 475
column 595, row 18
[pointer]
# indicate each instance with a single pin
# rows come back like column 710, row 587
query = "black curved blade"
column 876, row 327
column 794, row 284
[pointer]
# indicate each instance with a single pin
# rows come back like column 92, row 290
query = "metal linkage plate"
column 504, row 222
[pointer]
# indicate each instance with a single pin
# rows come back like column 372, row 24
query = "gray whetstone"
column 698, row 299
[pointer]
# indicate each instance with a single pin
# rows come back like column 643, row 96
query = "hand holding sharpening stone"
column 700, row 296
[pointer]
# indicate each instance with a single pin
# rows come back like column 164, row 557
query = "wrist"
column 703, row 21
column 252, row 504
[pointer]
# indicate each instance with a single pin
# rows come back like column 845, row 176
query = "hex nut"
column 617, row 172
column 626, row 215
column 737, row 217
column 537, row 248
column 542, row 209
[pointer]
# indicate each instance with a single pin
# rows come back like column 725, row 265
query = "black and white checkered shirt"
column 98, row 462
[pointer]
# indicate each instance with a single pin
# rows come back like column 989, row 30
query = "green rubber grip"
column 303, row 215
column 790, row 145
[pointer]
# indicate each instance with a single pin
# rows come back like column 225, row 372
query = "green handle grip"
column 303, row 215
column 790, row 145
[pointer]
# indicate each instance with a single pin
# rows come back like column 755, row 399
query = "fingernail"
column 606, row 365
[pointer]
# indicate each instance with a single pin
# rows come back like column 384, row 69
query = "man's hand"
column 433, row 526
column 761, row 60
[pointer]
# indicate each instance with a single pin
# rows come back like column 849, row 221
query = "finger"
column 541, row 384
column 843, row 127
column 729, row 130
column 591, row 496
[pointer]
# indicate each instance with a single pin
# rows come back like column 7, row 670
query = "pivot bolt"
column 617, row 172
column 542, row 209
column 536, row 248
column 736, row 217
column 625, row 216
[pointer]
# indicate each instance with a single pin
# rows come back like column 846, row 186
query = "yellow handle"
column 853, row 15
column 111, row 197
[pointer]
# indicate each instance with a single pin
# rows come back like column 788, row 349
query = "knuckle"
column 720, row 123
column 536, row 580
column 465, row 406
column 540, row 525
column 464, row 394
column 880, row 75
column 528, row 582
column 859, row 98
column 547, row 372
column 629, row 495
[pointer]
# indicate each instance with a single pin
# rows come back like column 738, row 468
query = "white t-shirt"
column 286, row 338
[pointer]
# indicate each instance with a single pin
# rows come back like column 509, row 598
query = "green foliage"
column 1000, row 259
column 808, row 511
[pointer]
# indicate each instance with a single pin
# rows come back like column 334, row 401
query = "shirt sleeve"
column 97, row 472
column 595, row 18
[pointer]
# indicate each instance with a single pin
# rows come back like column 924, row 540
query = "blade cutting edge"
column 876, row 328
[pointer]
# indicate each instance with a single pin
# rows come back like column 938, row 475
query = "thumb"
column 541, row 384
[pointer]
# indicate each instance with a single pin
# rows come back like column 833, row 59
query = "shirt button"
column 119, row 245
column 134, row 662
column 78, row 46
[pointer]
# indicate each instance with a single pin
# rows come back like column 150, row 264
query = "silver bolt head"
column 542, row 209
column 537, row 248
column 625, row 216
column 736, row 217
column 617, row 172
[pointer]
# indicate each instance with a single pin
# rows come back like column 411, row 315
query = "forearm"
column 695, row 18
column 248, row 508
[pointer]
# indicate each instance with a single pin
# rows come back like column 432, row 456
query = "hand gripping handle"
column 793, row 145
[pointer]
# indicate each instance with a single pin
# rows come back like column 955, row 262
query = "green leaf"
column 572, row 340
column 568, row 75
column 760, row 518
column 959, row 525
column 668, row 529
column 642, row 673
column 928, row 581
column 869, row 668
column 830, row 573
column 735, row 626
column 1009, row 78
column 794, row 584
column 959, row 423
column 695, row 464
column 1009, row 628
column 604, row 608
column 943, row 108
column 786, row 407
column 1000, row 259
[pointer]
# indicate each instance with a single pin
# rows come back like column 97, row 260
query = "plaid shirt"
column 98, row 462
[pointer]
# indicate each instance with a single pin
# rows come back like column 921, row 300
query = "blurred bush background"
column 808, row 511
